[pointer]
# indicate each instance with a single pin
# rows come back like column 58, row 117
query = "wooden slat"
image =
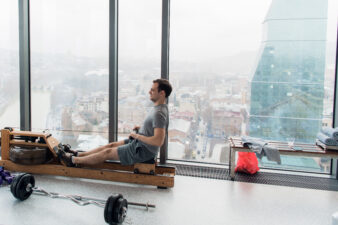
column 145, row 168
column 52, row 143
column 29, row 133
column 5, row 144
column 159, row 169
column 22, row 142
column 162, row 169
column 58, row 170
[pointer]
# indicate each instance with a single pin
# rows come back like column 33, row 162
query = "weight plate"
column 29, row 155
column 14, row 183
column 21, row 187
column 120, row 210
column 109, row 209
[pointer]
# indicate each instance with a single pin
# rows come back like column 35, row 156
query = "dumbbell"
column 5, row 176
column 115, row 207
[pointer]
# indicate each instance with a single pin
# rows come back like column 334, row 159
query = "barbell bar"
column 115, row 207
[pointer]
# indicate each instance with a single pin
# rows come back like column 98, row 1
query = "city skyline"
column 211, row 73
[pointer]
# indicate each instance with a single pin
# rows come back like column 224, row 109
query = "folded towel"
column 272, row 154
column 326, row 139
column 261, row 148
column 331, row 132
column 255, row 144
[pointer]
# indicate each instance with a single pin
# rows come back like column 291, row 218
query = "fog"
column 198, row 31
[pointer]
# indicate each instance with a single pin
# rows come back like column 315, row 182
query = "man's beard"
column 153, row 100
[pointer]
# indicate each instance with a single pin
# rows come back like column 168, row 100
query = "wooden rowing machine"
column 154, row 174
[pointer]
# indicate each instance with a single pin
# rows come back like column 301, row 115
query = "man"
column 141, row 146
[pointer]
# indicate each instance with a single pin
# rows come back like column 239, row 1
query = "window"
column 139, row 60
column 212, row 51
column 267, row 73
column 9, row 65
column 295, row 58
column 69, row 56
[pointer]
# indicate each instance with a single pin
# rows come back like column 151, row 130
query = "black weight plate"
column 106, row 209
column 21, row 191
column 109, row 208
column 14, row 184
column 119, row 204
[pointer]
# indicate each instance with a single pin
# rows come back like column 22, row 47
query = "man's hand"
column 156, row 140
column 136, row 128
column 133, row 135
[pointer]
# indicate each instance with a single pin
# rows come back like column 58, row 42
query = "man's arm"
column 156, row 140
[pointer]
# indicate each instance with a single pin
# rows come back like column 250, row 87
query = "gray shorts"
column 131, row 153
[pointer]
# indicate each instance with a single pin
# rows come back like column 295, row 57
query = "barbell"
column 115, row 207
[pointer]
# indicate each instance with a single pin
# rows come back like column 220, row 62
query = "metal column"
column 25, row 65
column 334, row 165
column 165, row 63
column 113, row 70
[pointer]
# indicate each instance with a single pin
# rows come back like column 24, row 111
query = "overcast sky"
column 213, row 28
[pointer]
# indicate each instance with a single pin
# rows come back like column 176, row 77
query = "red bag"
column 247, row 163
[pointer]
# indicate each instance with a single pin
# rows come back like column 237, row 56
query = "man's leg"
column 97, row 157
column 101, row 148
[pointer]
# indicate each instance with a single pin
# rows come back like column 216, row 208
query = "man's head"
column 160, row 90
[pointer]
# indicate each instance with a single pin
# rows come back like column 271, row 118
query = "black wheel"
column 152, row 172
column 160, row 187
column 9, row 128
column 136, row 171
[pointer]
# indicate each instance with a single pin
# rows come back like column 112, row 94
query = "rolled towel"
column 331, row 132
column 326, row 139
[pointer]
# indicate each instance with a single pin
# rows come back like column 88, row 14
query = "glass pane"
column 69, row 50
column 9, row 65
column 264, row 70
column 211, row 57
column 139, row 60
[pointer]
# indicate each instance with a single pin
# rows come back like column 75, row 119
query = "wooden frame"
column 163, row 176
column 308, row 150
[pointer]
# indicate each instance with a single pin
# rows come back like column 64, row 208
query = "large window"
column 264, row 69
column 69, row 56
column 212, row 51
column 139, row 60
column 266, row 73
column 9, row 64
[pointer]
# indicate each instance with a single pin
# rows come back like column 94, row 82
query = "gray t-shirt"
column 158, row 117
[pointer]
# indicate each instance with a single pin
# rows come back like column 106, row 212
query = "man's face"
column 154, row 94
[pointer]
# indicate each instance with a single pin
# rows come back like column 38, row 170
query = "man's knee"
column 115, row 144
column 112, row 144
column 111, row 153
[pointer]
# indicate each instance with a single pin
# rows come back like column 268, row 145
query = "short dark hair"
column 164, row 85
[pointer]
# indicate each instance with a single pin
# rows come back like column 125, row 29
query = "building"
column 287, row 88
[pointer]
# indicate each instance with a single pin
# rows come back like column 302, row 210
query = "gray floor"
column 192, row 201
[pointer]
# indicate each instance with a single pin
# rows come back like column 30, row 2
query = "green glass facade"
column 287, row 88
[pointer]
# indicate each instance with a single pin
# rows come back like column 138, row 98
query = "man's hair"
column 164, row 85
